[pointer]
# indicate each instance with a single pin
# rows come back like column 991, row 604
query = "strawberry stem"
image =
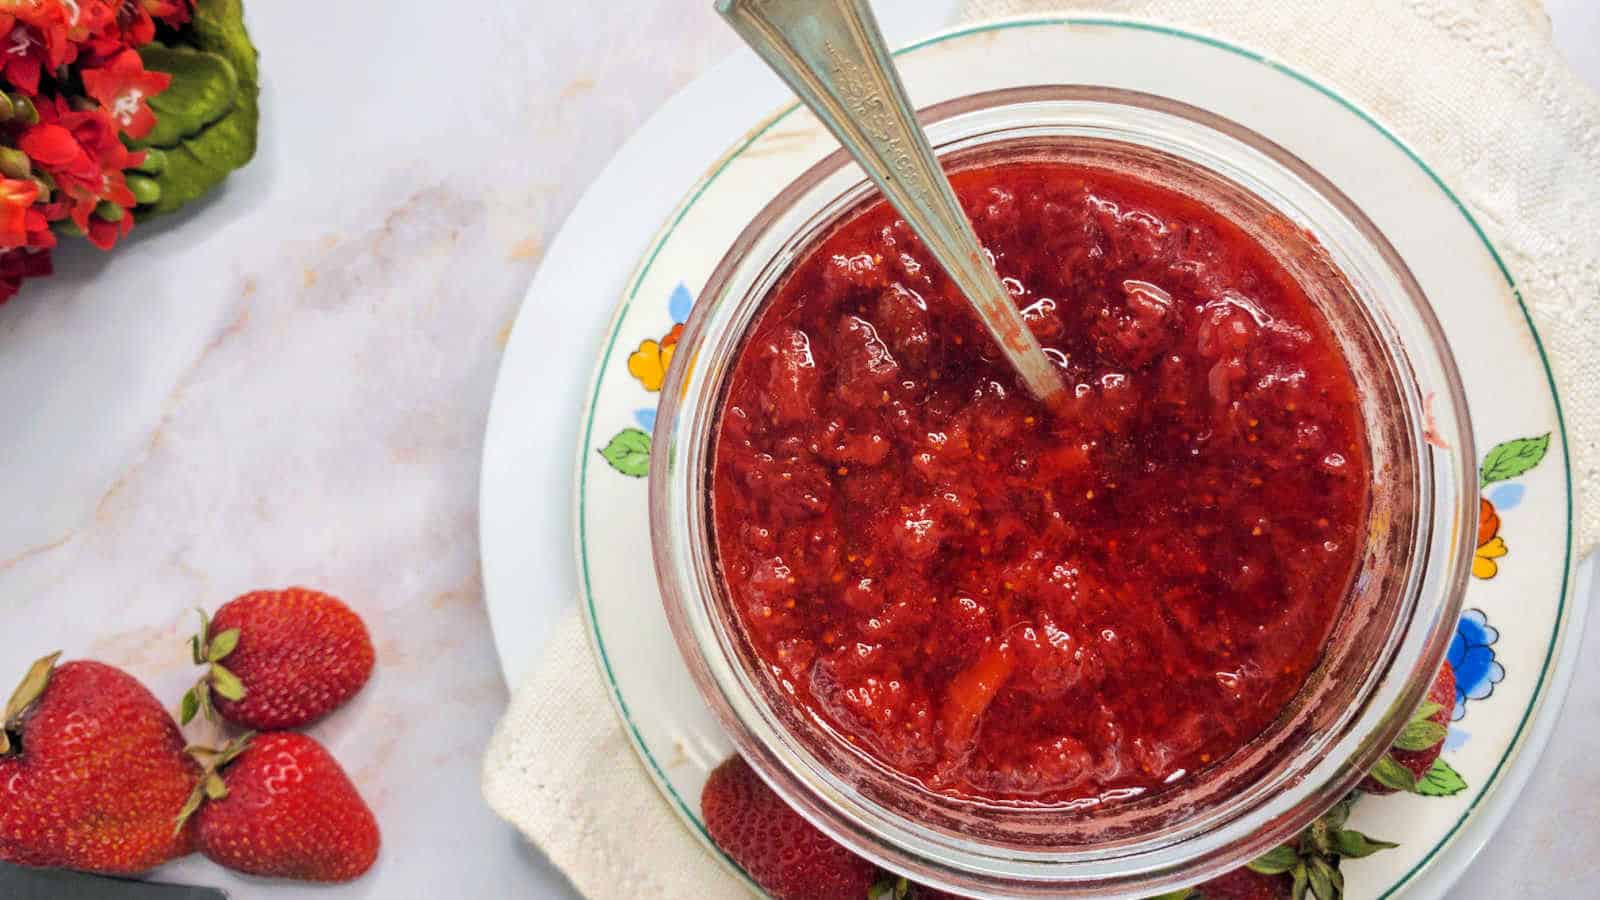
column 212, row 761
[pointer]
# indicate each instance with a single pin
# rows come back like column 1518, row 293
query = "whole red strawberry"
column 1419, row 745
column 279, row 805
column 292, row 657
column 92, row 772
column 779, row 850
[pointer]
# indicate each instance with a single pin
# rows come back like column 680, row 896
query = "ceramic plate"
column 1508, row 650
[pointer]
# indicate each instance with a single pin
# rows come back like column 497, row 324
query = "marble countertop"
column 288, row 385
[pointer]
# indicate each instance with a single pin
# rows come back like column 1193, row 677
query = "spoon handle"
column 832, row 55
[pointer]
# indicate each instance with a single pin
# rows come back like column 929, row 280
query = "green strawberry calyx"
column 212, row 761
column 889, row 887
column 1311, row 862
column 210, row 650
column 27, row 693
column 1420, row 733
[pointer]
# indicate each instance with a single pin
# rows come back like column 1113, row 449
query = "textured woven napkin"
column 1474, row 86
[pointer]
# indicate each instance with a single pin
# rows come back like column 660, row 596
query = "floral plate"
column 1507, row 652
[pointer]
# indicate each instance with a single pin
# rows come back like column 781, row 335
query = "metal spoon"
column 833, row 56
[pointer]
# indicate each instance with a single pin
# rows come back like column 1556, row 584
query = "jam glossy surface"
column 1004, row 602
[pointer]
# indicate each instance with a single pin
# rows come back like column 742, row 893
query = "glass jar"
column 1395, row 624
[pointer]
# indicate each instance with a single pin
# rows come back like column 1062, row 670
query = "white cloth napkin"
column 561, row 769
column 1474, row 86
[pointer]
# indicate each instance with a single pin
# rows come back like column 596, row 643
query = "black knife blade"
column 19, row 883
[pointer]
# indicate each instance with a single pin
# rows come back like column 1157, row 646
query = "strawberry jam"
column 1073, row 606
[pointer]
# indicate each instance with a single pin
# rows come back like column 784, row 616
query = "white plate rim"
column 1453, row 852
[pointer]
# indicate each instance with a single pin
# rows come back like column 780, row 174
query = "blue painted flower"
column 1472, row 657
column 1507, row 495
column 678, row 304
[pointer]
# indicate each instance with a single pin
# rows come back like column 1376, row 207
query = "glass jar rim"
column 1434, row 587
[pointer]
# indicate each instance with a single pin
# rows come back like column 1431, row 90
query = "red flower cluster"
column 62, row 156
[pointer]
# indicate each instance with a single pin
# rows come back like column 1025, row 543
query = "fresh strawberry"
column 1307, row 866
column 293, row 656
column 279, row 805
column 92, row 772
column 781, row 851
column 1420, row 743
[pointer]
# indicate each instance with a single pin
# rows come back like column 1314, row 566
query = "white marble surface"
column 289, row 385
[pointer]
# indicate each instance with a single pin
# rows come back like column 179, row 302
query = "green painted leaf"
column 629, row 452
column 1512, row 458
column 1179, row 894
column 1391, row 774
column 212, row 128
column 1276, row 861
column 1355, row 845
column 1442, row 780
column 1420, row 735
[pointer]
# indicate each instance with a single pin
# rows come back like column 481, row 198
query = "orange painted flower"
column 1491, row 546
column 649, row 362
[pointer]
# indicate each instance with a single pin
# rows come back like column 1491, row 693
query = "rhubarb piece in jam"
column 1071, row 606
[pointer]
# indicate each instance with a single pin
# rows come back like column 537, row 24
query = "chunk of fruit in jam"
column 1009, row 603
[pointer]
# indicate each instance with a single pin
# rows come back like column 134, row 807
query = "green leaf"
column 1179, row 894
column 205, row 141
column 1322, row 880
column 1355, row 845
column 189, row 707
column 227, row 685
column 889, row 887
column 629, row 452
column 1339, row 813
column 31, row 688
column 1427, row 710
column 194, row 649
column 1391, row 774
column 204, row 88
column 1512, row 458
column 1420, row 735
column 222, row 645
column 234, row 747
column 1276, row 861
column 1441, row 780
column 191, row 804
column 1300, row 883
